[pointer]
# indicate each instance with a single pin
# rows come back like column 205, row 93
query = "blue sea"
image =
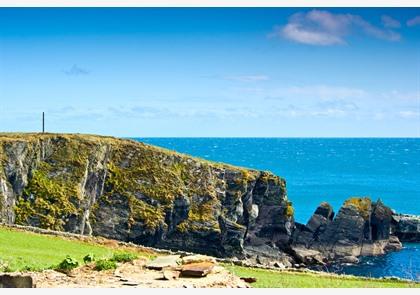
column 330, row 169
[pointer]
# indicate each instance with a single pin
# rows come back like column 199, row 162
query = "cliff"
column 131, row 191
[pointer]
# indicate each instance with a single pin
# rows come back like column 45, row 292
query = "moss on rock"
column 362, row 205
column 46, row 201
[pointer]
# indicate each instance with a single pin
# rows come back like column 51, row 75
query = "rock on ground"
column 134, row 275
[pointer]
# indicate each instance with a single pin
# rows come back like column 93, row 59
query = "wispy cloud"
column 396, row 95
column 75, row 70
column 248, row 78
column 239, row 78
column 338, row 105
column 326, row 92
column 320, row 27
column 409, row 114
column 389, row 22
column 414, row 21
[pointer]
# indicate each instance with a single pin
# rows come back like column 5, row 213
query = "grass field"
column 277, row 279
column 21, row 250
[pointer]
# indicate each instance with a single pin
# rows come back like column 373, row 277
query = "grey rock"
column 16, row 281
column 380, row 221
column 349, row 259
column 406, row 227
column 308, row 256
column 394, row 244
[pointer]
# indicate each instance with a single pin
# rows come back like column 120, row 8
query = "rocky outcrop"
column 360, row 228
column 406, row 227
column 131, row 191
column 308, row 234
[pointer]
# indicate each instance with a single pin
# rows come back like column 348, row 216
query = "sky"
column 211, row 72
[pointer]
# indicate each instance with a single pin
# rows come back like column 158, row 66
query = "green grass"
column 22, row 250
column 30, row 251
column 277, row 279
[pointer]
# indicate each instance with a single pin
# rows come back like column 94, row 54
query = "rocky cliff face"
column 131, row 191
column 406, row 227
column 360, row 228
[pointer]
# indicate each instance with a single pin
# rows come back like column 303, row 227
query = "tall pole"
column 43, row 122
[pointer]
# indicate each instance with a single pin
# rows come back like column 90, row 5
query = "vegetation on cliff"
column 362, row 205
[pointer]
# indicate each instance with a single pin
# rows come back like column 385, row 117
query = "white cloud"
column 248, row 78
column 329, row 113
column 389, row 22
column 409, row 114
column 299, row 34
column 319, row 27
column 414, row 21
column 401, row 96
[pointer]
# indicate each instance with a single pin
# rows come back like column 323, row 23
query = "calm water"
column 329, row 170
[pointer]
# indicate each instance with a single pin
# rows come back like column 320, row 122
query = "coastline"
column 268, row 192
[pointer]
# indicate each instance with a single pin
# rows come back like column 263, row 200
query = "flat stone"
column 162, row 262
column 200, row 269
column 16, row 281
column 197, row 258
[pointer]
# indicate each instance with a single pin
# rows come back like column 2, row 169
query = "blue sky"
column 256, row 72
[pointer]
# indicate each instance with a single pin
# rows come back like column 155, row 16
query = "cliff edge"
column 131, row 191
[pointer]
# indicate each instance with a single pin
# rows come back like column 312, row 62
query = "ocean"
column 331, row 170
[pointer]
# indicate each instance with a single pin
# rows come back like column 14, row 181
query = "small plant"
column 123, row 257
column 68, row 264
column 31, row 268
column 4, row 266
column 89, row 258
column 105, row 264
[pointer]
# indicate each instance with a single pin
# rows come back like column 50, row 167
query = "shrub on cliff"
column 68, row 264
column 123, row 257
column 105, row 264
column 89, row 258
